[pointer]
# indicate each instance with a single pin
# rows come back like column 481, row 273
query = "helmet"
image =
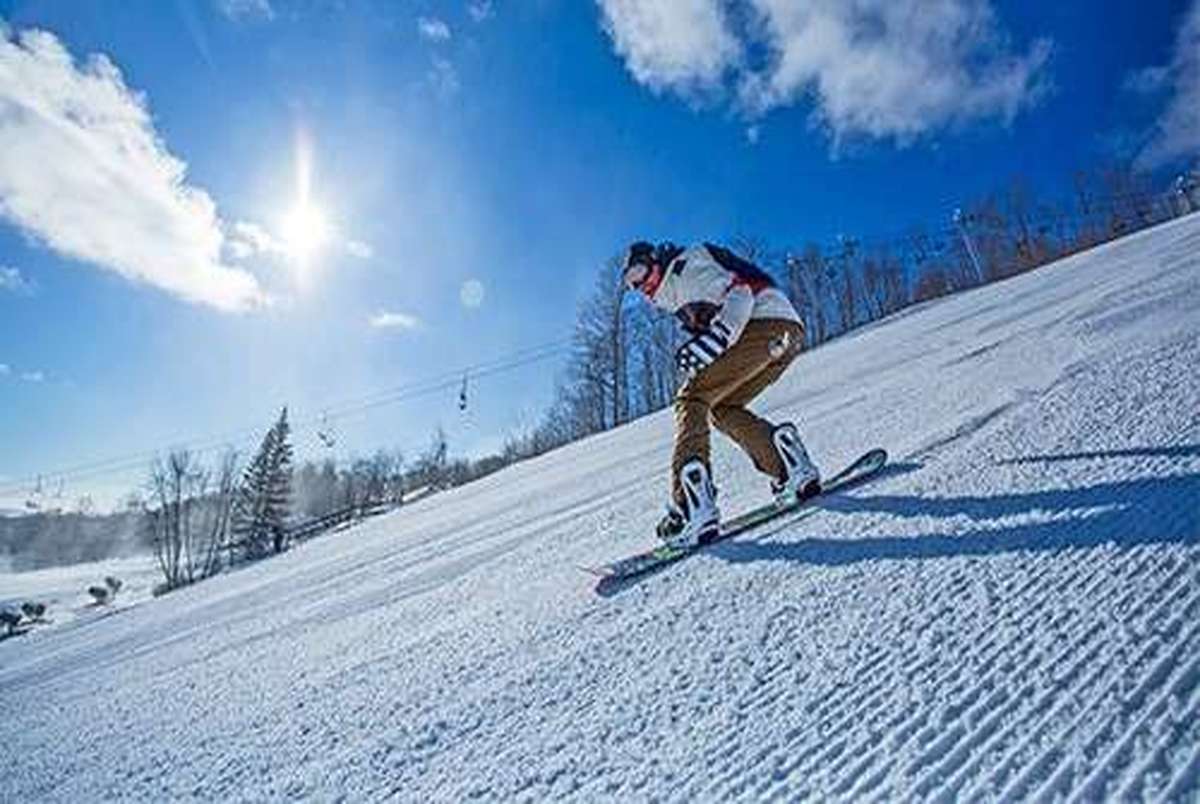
column 640, row 253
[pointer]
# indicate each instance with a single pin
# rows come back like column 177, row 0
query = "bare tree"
column 216, row 515
column 652, row 339
column 883, row 278
column 384, row 478
column 431, row 468
column 808, row 287
column 1019, row 201
column 189, row 515
column 171, row 487
column 598, row 368
column 749, row 247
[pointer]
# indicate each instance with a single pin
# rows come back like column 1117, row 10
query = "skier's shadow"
column 1147, row 510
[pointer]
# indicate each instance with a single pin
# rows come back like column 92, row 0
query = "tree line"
column 200, row 520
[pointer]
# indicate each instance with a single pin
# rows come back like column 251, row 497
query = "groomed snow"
column 1012, row 612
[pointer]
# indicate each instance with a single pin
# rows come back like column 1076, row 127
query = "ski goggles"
column 636, row 274
column 643, row 277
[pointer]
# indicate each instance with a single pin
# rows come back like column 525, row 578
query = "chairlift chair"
column 325, row 433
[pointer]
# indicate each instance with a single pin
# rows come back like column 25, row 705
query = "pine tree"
column 264, row 500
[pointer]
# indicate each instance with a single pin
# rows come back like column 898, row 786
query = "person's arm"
column 722, row 332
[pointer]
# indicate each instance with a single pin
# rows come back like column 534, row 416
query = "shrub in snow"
column 10, row 620
column 34, row 611
column 106, row 593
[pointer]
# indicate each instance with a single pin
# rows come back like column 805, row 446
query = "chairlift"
column 462, row 395
column 325, row 432
column 33, row 501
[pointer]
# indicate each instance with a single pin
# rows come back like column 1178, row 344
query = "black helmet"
column 640, row 253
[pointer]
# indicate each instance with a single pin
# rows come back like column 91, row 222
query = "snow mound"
column 1012, row 611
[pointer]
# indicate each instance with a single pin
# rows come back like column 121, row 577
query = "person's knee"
column 719, row 416
column 690, row 406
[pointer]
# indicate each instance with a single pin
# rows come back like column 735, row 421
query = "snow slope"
column 1012, row 612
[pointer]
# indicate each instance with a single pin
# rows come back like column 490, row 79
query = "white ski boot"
column 801, row 479
column 697, row 521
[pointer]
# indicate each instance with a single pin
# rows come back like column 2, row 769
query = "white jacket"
column 698, row 288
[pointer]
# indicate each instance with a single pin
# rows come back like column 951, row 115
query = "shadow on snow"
column 1153, row 510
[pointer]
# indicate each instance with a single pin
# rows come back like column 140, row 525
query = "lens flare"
column 304, row 230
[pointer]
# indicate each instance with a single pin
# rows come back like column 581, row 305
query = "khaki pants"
column 722, row 391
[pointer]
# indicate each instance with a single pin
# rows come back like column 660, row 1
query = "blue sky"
column 210, row 208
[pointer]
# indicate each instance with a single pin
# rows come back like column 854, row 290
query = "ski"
column 862, row 468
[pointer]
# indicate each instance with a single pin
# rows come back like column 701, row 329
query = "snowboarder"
column 744, row 333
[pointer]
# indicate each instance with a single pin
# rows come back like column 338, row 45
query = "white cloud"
column 247, row 240
column 885, row 69
column 387, row 320
column 83, row 170
column 359, row 249
column 443, row 77
column 684, row 46
column 481, row 10
column 1147, row 81
column 240, row 10
column 33, row 376
column 12, row 281
column 1176, row 133
column 472, row 293
column 433, row 29
column 893, row 68
column 753, row 134
column 4, row 369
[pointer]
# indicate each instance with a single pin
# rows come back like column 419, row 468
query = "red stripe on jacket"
column 755, row 285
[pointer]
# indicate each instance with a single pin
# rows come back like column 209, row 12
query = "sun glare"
column 304, row 230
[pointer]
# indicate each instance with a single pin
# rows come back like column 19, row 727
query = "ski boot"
column 801, row 479
column 697, row 520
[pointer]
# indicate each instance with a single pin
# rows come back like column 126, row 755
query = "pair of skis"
column 866, row 466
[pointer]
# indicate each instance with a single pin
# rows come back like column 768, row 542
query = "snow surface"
column 1011, row 612
column 64, row 589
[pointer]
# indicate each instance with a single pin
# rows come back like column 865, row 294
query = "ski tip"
column 872, row 460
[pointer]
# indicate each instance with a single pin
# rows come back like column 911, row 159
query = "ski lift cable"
column 444, row 381
column 404, row 394
column 136, row 461
column 132, row 461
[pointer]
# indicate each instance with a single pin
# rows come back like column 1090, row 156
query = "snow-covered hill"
column 1012, row 612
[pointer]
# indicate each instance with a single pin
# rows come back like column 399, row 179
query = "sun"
column 304, row 230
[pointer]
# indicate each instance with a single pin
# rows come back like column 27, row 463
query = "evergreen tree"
column 260, row 524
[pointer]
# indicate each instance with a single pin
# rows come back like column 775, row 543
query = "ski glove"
column 702, row 350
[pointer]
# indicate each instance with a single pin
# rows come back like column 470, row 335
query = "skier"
column 744, row 334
